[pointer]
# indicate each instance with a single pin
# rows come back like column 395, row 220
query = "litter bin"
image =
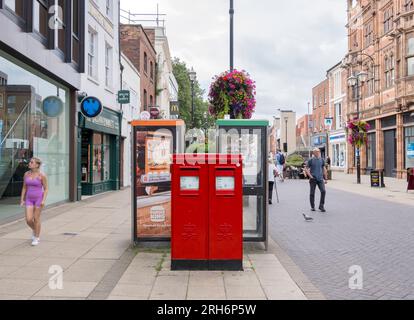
column 207, row 212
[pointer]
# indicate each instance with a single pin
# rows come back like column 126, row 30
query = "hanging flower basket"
column 232, row 93
column 357, row 132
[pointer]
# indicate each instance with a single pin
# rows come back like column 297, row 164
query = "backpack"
column 282, row 159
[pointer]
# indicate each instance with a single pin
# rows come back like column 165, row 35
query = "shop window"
column 409, row 147
column 371, row 151
column 97, row 158
column 107, row 158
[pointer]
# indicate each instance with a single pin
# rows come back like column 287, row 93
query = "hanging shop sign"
column 91, row 107
column 174, row 108
column 328, row 122
column 52, row 107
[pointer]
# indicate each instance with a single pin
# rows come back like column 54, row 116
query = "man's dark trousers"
column 321, row 186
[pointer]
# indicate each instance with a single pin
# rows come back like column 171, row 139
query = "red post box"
column 226, row 213
column 207, row 212
column 189, row 215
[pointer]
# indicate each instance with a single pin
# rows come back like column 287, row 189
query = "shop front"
column 99, row 153
column 34, row 122
column 409, row 140
column 338, row 151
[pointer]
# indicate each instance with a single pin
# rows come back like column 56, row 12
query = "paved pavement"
column 90, row 242
column 373, row 229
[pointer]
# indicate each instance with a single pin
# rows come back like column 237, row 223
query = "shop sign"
column 338, row 138
column 375, row 179
column 91, row 107
column 52, row 107
column 124, row 96
column 174, row 108
column 410, row 151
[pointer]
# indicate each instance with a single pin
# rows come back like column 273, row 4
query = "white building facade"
column 131, row 81
column 337, row 106
column 167, row 86
column 101, row 158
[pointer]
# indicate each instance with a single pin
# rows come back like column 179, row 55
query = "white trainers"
column 35, row 242
column 33, row 236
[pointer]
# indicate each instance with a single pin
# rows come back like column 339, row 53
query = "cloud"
column 287, row 46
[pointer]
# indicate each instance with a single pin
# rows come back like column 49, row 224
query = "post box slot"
column 189, row 183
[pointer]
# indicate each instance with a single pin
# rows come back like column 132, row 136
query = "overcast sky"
column 287, row 46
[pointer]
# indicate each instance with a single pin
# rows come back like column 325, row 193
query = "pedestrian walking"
column 280, row 164
column 272, row 171
column 34, row 194
column 318, row 177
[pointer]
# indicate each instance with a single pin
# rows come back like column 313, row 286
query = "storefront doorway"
column 390, row 153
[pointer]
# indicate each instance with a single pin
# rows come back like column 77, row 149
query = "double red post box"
column 207, row 212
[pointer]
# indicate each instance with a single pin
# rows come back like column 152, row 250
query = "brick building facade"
column 302, row 132
column 381, row 43
column 320, row 110
column 138, row 46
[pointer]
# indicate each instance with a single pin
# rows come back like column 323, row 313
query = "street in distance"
column 208, row 310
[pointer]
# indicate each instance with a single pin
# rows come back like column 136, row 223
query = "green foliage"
column 295, row 160
column 202, row 118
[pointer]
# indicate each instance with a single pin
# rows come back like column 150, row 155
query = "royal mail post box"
column 207, row 212
column 189, row 215
column 226, row 213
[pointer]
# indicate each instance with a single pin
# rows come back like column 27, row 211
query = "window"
column 389, row 71
column 371, row 80
column 338, row 116
column 145, row 62
column 145, row 100
column 371, row 151
column 151, row 101
column 388, row 23
column 40, row 17
column 368, row 34
column 151, row 71
column 325, row 99
column 76, row 31
column 408, row 5
column 410, row 55
column 16, row 6
column 409, row 147
column 92, row 54
column 108, row 65
column 61, row 31
column 108, row 9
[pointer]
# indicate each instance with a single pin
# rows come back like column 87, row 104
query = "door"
column 390, row 153
column 252, row 145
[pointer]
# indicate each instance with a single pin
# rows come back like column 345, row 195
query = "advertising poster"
column 153, row 183
column 410, row 150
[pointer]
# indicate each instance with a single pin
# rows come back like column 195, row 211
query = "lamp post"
column 231, row 35
column 309, row 134
column 286, row 129
column 193, row 77
column 355, row 81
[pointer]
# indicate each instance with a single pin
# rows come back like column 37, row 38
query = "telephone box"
column 207, row 219
column 153, row 144
column 250, row 139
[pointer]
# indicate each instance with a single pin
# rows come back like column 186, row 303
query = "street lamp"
column 355, row 81
column 193, row 77
column 231, row 35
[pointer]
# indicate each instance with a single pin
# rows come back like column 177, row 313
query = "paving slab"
column 70, row 290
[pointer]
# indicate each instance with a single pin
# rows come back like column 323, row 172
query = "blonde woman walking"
column 34, row 194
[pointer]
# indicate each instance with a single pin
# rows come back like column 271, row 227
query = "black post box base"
column 204, row 265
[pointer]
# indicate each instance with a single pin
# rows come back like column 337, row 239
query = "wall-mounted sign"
column 174, row 108
column 52, row 107
column 328, row 122
column 124, row 96
column 155, row 112
column 145, row 115
column 91, row 107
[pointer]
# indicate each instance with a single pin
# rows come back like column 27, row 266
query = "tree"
column 201, row 113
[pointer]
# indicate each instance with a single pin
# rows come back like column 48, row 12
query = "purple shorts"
column 34, row 201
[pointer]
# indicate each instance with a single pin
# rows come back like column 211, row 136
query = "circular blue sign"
column 91, row 107
column 52, row 106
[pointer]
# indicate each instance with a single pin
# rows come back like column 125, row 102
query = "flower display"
column 357, row 132
column 232, row 93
